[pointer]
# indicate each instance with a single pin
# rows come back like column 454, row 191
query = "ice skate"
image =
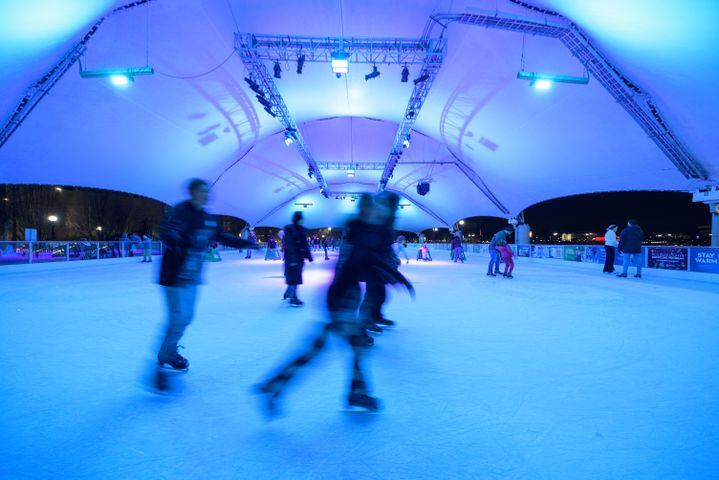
column 384, row 322
column 269, row 403
column 363, row 403
column 638, row 275
column 173, row 360
column 622, row 275
column 373, row 328
column 296, row 302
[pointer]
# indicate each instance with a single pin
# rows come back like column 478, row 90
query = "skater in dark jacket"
column 186, row 231
column 358, row 259
column 630, row 246
column 297, row 250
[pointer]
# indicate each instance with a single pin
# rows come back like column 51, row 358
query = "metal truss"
column 638, row 103
column 259, row 74
column 435, row 53
column 285, row 48
column 37, row 91
column 351, row 166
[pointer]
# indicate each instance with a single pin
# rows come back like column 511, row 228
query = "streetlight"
column 53, row 220
column 461, row 222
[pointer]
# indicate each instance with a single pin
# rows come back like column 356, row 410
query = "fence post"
column 67, row 251
column 29, row 251
column 97, row 250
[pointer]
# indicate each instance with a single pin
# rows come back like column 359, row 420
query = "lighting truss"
column 287, row 48
column 37, row 91
column 436, row 48
column 638, row 103
column 259, row 74
column 351, row 166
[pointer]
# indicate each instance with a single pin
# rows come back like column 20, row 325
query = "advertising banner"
column 545, row 251
column 668, row 258
column 523, row 250
column 594, row 254
column 704, row 259
column 574, row 253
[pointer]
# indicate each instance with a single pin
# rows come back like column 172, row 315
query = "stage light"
column 421, row 79
column 543, row 81
column 290, row 136
column 278, row 70
column 405, row 74
column 406, row 142
column 542, row 84
column 269, row 111
column 264, row 101
column 340, row 62
column 118, row 76
column 300, row 63
column 310, row 172
column 324, row 193
column 423, row 188
column 120, row 80
column 373, row 74
column 254, row 86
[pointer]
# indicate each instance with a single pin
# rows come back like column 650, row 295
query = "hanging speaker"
column 423, row 188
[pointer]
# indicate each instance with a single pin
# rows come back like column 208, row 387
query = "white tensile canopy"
column 486, row 142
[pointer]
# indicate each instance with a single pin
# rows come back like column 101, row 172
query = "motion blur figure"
column 358, row 257
column 186, row 232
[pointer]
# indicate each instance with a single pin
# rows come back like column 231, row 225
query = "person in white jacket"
column 610, row 247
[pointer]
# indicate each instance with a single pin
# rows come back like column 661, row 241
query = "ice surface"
column 561, row 373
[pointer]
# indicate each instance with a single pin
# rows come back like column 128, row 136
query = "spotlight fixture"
column 340, row 62
column 373, row 74
column 278, row 70
column 324, row 193
column 420, row 79
column 310, row 172
column 304, row 204
column 300, row 63
column 120, row 77
column 269, row 110
column 264, row 101
column 290, row 136
column 544, row 81
column 405, row 74
column 254, row 86
column 406, row 141
column 410, row 114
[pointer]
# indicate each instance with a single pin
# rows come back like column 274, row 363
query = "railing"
column 12, row 253
column 692, row 259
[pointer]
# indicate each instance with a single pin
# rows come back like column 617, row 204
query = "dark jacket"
column 185, row 233
column 631, row 239
column 498, row 237
column 296, row 251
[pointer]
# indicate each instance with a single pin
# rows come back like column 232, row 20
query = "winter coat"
column 499, row 236
column 186, row 231
column 630, row 241
column 610, row 238
column 456, row 243
column 296, row 251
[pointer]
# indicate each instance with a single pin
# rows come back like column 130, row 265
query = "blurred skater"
column 186, row 231
column 272, row 253
column 343, row 299
column 146, row 249
column 456, row 248
column 252, row 239
column 297, row 250
column 610, row 246
column 325, row 245
column 400, row 248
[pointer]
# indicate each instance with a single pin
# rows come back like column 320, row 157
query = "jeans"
column 493, row 260
column 637, row 260
column 180, row 311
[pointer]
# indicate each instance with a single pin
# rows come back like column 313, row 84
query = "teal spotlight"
column 544, row 81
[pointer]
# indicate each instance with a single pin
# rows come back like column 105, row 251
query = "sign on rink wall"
column 672, row 258
column 704, row 259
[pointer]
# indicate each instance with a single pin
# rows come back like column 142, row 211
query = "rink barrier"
column 677, row 258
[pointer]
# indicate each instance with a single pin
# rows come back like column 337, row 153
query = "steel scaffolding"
column 260, row 75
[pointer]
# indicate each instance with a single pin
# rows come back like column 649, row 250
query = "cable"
column 188, row 77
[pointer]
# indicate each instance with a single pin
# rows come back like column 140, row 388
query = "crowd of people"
column 369, row 253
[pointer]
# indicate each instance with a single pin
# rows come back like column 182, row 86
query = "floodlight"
column 264, row 101
column 118, row 76
column 340, row 61
column 405, row 74
column 406, row 141
column 278, row 70
column 373, row 74
column 290, row 136
column 120, row 80
column 300, row 63
column 269, row 111
column 254, row 86
column 543, row 81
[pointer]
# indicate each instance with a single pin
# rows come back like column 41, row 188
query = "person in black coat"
column 630, row 246
column 186, row 231
column 296, row 251
column 359, row 259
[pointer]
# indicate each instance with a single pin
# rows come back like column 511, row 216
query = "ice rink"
column 561, row 373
